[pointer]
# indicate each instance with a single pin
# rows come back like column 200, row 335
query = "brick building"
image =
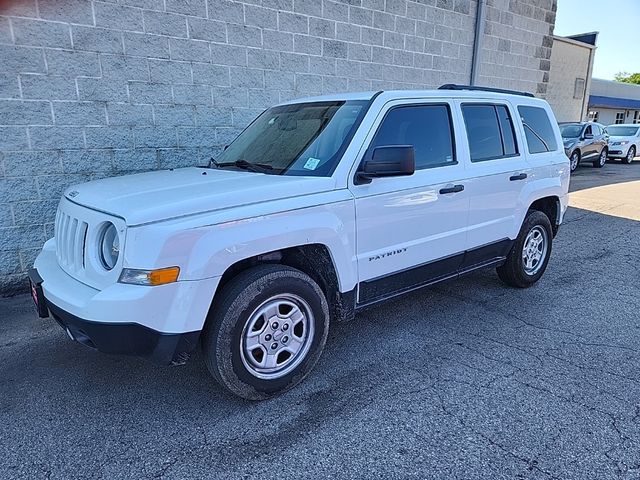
column 90, row 89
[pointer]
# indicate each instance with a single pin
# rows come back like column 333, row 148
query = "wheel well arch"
column 313, row 259
column 551, row 207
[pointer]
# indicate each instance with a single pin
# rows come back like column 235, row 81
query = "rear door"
column 498, row 172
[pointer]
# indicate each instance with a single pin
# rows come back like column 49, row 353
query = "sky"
column 618, row 22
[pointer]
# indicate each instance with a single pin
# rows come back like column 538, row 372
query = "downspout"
column 587, row 86
column 477, row 43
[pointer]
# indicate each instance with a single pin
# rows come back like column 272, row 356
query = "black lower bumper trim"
column 128, row 338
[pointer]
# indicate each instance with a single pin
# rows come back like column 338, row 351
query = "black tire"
column 572, row 165
column 602, row 158
column 232, row 310
column 513, row 272
column 630, row 155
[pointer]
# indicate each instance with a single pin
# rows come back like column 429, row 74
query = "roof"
column 613, row 102
column 409, row 94
column 590, row 37
column 610, row 88
column 578, row 40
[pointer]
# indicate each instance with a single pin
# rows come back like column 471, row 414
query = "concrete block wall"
column 570, row 61
column 90, row 89
column 517, row 44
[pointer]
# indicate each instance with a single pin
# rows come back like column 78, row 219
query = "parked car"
column 624, row 140
column 584, row 142
column 318, row 209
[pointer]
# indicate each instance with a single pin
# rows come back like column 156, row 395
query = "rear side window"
column 427, row 128
column 489, row 131
column 538, row 130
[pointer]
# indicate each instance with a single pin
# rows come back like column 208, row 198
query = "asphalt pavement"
column 465, row 380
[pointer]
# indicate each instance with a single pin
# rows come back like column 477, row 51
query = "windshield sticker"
column 312, row 163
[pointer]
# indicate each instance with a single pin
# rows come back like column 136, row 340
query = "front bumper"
column 127, row 339
column 618, row 151
column 162, row 323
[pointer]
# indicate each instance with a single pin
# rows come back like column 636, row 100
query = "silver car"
column 585, row 142
column 624, row 141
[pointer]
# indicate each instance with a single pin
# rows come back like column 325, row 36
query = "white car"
column 319, row 208
column 624, row 141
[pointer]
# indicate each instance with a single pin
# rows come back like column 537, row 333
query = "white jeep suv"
column 319, row 208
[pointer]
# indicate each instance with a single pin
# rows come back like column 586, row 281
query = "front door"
column 411, row 230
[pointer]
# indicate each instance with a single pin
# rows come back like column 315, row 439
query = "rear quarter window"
column 538, row 130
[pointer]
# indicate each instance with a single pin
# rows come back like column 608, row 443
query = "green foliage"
column 627, row 77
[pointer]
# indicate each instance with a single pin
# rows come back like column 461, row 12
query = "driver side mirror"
column 588, row 136
column 387, row 161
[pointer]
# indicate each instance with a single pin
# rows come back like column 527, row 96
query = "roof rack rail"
column 453, row 86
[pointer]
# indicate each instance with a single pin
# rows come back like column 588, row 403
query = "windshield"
column 622, row 131
column 571, row 130
column 298, row 139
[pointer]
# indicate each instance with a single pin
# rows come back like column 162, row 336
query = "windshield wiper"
column 244, row 165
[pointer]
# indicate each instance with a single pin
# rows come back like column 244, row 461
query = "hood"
column 569, row 141
column 165, row 194
column 613, row 138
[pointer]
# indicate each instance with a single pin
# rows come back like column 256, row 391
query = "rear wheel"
column 266, row 331
column 602, row 159
column 631, row 154
column 530, row 253
column 574, row 160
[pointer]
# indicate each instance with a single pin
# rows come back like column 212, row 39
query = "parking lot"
column 469, row 379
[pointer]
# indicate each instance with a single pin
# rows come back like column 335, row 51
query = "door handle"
column 454, row 189
column 520, row 176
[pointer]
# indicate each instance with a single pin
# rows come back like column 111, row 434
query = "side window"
column 428, row 128
column 506, row 128
column 596, row 130
column 588, row 130
column 489, row 131
column 538, row 130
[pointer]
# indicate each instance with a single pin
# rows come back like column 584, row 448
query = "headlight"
column 109, row 246
column 624, row 142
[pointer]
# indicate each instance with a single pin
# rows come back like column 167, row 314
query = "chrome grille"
column 70, row 236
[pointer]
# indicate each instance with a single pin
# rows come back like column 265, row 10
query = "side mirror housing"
column 588, row 136
column 387, row 161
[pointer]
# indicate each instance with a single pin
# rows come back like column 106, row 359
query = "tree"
column 627, row 77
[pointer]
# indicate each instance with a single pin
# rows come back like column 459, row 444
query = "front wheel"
column 602, row 159
column 631, row 154
column 530, row 253
column 574, row 160
column 266, row 331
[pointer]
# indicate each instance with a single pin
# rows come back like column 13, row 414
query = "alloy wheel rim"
column 603, row 157
column 630, row 155
column 574, row 161
column 277, row 336
column 534, row 250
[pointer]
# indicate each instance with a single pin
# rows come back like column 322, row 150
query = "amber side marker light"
column 149, row 277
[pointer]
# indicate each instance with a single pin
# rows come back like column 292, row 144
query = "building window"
column 578, row 88
column 636, row 117
column 593, row 115
column 619, row 117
